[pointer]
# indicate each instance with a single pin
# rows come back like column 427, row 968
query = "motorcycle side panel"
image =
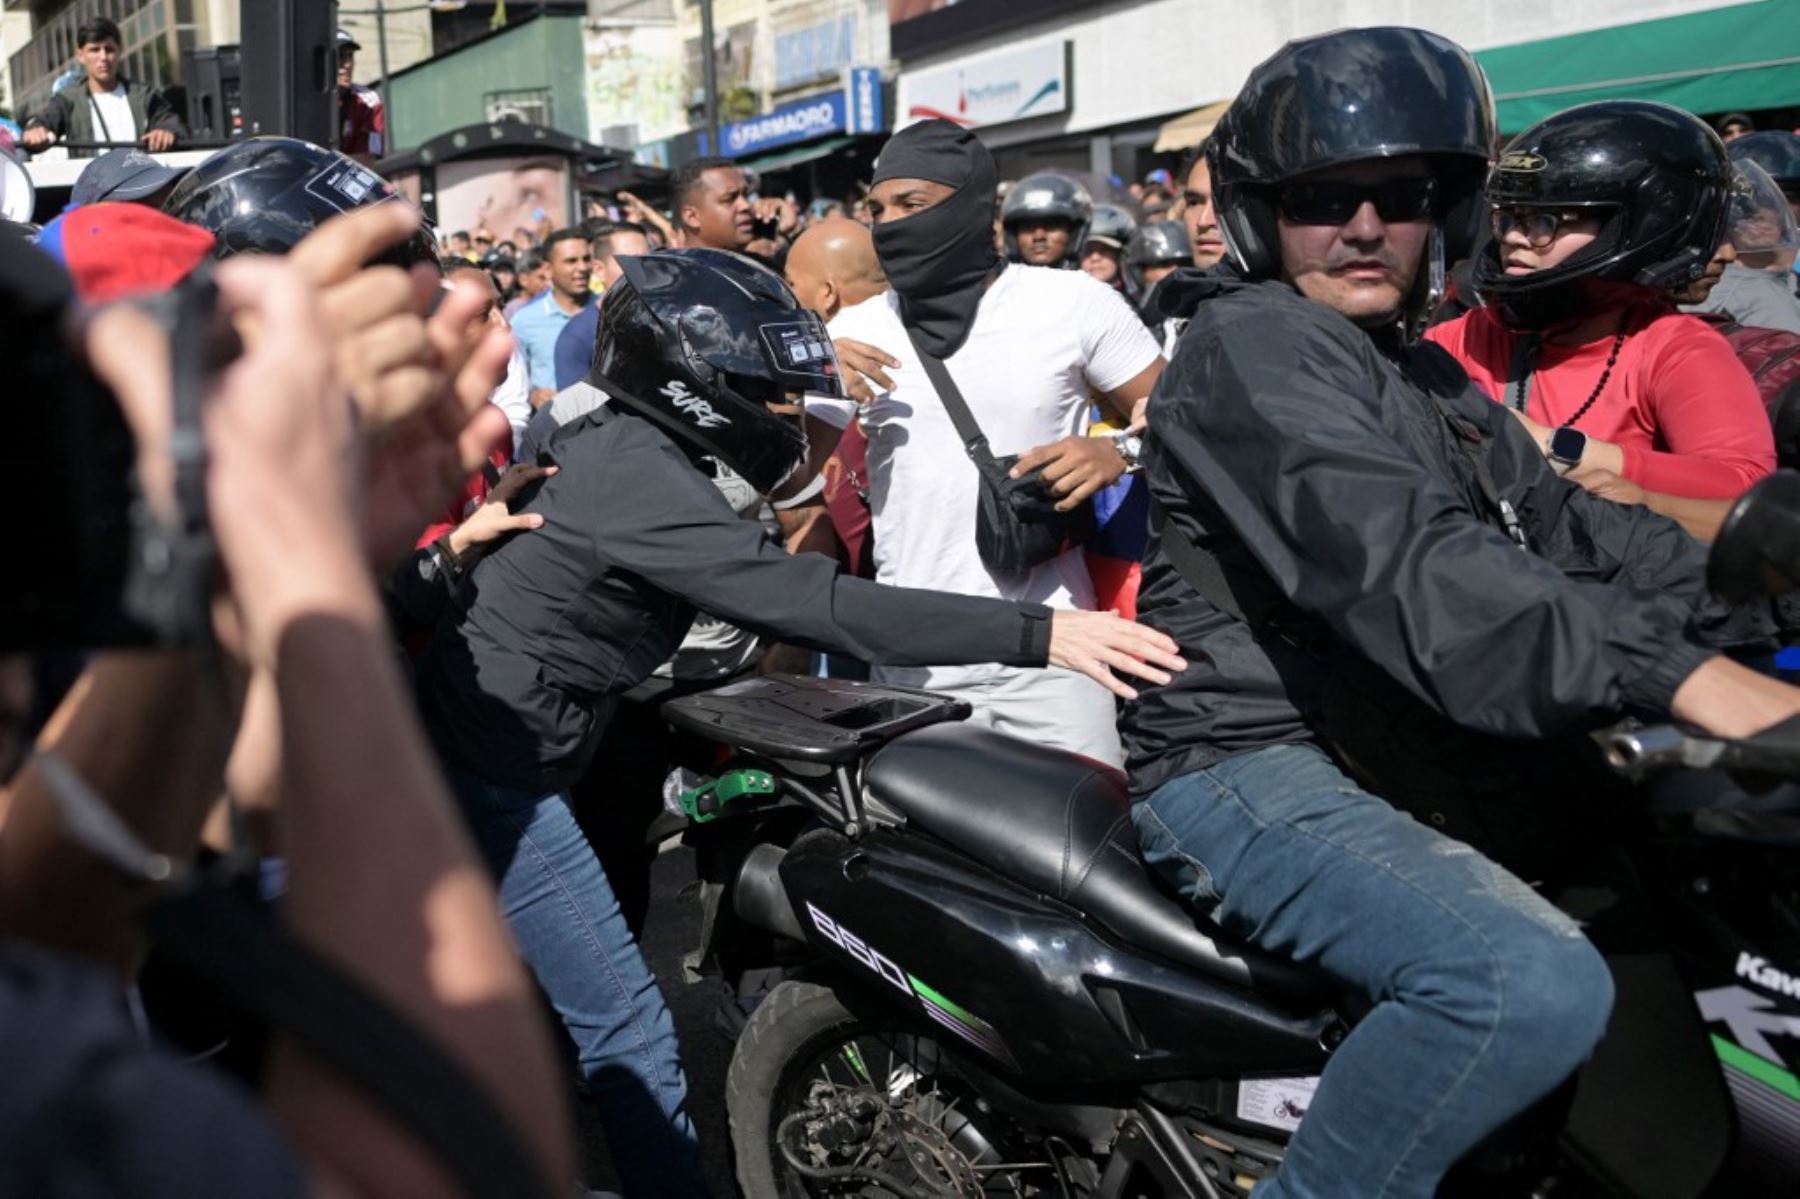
column 1026, row 981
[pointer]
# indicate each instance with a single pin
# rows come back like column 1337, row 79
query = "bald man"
column 833, row 266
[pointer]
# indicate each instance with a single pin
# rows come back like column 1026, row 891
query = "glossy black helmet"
column 1775, row 151
column 1159, row 243
column 1345, row 97
column 263, row 194
column 1047, row 196
column 700, row 343
column 1658, row 178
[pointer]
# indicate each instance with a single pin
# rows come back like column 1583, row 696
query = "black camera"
column 92, row 567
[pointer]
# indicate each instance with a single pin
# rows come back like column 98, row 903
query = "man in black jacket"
column 104, row 106
column 1340, row 500
column 698, row 355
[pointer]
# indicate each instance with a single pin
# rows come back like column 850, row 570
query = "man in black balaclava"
column 1026, row 348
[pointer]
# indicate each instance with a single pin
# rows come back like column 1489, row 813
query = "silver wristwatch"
column 1129, row 446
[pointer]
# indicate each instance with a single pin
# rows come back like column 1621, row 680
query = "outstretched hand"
column 864, row 368
column 1102, row 646
column 495, row 519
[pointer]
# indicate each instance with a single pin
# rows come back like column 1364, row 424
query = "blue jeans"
column 1486, row 997
column 562, row 913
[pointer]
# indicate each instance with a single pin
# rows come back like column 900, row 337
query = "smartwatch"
column 1567, row 446
column 1129, row 446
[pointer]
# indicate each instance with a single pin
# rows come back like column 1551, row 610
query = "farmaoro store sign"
column 854, row 108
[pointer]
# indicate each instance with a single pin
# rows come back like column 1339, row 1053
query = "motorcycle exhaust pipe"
column 757, row 897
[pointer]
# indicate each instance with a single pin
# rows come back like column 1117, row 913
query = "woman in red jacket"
column 1597, row 214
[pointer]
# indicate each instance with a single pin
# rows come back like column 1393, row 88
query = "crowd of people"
column 1429, row 421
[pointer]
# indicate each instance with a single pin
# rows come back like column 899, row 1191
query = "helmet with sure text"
column 700, row 343
column 1657, row 178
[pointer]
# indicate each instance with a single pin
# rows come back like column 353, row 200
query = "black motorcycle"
column 987, row 993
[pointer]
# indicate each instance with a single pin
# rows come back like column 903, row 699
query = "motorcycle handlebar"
column 1637, row 753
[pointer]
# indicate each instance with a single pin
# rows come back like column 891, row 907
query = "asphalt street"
column 672, row 931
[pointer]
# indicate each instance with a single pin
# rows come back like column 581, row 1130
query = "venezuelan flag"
column 1115, row 556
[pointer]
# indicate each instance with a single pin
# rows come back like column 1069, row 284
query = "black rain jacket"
column 547, row 631
column 1309, row 454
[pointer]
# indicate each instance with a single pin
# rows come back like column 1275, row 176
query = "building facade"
column 1088, row 85
column 39, row 39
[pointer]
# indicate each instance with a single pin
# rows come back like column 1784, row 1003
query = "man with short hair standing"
column 712, row 205
column 362, row 122
column 1198, row 213
column 533, row 277
column 104, row 106
column 575, row 344
column 540, row 322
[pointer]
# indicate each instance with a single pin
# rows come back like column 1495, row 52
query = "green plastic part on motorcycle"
column 709, row 800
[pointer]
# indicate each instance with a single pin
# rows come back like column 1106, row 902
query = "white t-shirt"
column 513, row 397
column 113, row 122
column 1042, row 342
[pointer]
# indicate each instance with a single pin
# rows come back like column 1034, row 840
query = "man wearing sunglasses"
column 1363, row 559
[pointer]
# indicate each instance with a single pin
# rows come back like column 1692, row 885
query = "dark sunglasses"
column 1333, row 202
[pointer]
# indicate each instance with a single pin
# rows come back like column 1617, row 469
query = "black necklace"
column 1612, row 360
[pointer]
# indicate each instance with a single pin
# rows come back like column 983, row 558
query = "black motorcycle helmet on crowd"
column 700, row 342
column 1112, row 225
column 1047, row 196
column 1775, row 151
column 1355, row 96
column 263, row 194
column 1157, row 243
column 1160, row 243
column 1658, row 177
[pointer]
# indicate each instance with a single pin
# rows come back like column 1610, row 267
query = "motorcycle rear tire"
column 794, row 1017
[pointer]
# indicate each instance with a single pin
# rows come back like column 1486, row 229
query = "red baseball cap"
column 119, row 249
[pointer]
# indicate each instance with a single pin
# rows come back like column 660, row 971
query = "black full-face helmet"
column 1047, row 196
column 263, row 194
column 1657, row 177
column 1356, row 95
column 700, row 343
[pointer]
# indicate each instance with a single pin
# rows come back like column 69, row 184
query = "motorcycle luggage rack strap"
column 795, row 718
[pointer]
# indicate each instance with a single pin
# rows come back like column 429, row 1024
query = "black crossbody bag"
column 1017, row 525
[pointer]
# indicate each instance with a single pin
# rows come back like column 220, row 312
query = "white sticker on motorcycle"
column 1276, row 1102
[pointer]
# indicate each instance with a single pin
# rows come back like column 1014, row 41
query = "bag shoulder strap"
column 1469, row 438
column 1232, row 592
column 975, row 442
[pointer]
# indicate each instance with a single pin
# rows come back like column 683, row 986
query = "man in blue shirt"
column 537, row 324
column 575, row 345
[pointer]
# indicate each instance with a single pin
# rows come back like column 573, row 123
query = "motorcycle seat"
column 1061, row 824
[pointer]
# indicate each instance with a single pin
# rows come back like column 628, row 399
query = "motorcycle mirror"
column 1757, row 552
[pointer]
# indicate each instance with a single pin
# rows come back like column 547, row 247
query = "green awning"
column 796, row 155
column 1743, row 56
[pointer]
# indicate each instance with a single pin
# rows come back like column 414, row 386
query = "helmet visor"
column 1761, row 221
